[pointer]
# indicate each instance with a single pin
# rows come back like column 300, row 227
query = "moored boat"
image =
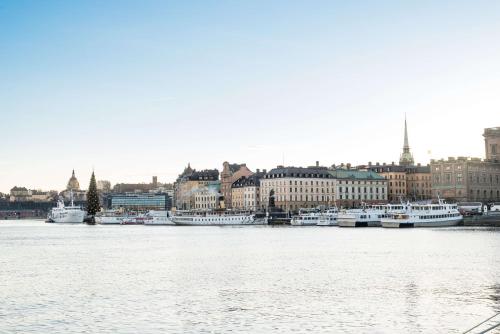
column 425, row 215
column 306, row 217
column 329, row 217
column 217, row 218
column 368, row 216
column 158, row 218
column 66, row 214
column 134, row 218
column 114, row 217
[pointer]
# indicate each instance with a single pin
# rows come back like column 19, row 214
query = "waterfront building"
column 404, row 182
column 298, row 187
column 418, row 183
column 189, row 182
column 245, row 192
column 466, row 179
column 104, row 186
column 354, row 187
column 395, row 176
column 154, row 186
column 492, row 143
column 207, row 198
column 139, row 201
column 20, row 194
column 470, row 179
column 230, row 173
column 43, row 196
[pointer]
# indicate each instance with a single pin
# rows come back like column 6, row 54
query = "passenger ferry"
column 217, row 218
column 114, row 217
column 425, row 215
column 158, row 218
column 66, row 214
column 329, row 217
column 306, row 217
column 368, row 216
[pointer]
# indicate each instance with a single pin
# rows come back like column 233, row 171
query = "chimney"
column 258, row 170
column 317, row 163
column 393, row 163
column 369, row 163
column 349, row 166
column 264, row 171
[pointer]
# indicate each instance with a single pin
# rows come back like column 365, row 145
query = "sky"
column 133, row 89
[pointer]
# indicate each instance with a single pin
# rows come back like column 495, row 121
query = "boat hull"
column 353, row 222
column 303, row 223
column 71, row 217
column 159, row 222
column 109, row 220
column 328, row 223
column 397, row 223
column 218, row 221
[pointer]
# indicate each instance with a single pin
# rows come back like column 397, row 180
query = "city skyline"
column 135, row 90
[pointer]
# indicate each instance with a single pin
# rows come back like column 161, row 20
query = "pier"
column 482, row 220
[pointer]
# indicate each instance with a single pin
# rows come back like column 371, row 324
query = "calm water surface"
column 140, row 279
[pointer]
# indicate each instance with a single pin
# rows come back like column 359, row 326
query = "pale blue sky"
column 140, row 88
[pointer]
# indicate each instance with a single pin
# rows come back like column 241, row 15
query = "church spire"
column 406, row 158
column 406, row 145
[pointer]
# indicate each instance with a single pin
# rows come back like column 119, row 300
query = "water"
column 158, row 279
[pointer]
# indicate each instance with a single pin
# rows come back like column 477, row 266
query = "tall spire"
column 406, row 158
column 406, row 146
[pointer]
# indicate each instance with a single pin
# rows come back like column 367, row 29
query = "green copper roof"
column 355, row 174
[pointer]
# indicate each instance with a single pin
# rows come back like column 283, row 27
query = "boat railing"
column 485, row 326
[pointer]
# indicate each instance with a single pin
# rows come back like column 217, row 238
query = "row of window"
column 358, row 190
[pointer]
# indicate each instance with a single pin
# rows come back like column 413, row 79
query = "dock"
column 482, row 220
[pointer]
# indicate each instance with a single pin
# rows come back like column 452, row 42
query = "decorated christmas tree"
column 93, row 197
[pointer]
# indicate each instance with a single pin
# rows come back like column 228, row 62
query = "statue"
column 271, row 199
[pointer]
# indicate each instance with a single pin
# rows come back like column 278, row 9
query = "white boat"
column 369, row 216
column 329, row 217
column 134, row 219
column 217, row 218
column 425, row 215
column 66, row 214
column 158, row 218
column 306, row 217
column 494, row 208
column 110, row 217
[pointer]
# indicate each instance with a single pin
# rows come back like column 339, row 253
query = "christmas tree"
column 92, row 197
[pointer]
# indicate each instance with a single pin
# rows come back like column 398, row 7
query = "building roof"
column 16, row 188
column 355, row 174
column 298, row 172
column 388, row 168
column 250, row 181
column 207, row 174
column 419, row 169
